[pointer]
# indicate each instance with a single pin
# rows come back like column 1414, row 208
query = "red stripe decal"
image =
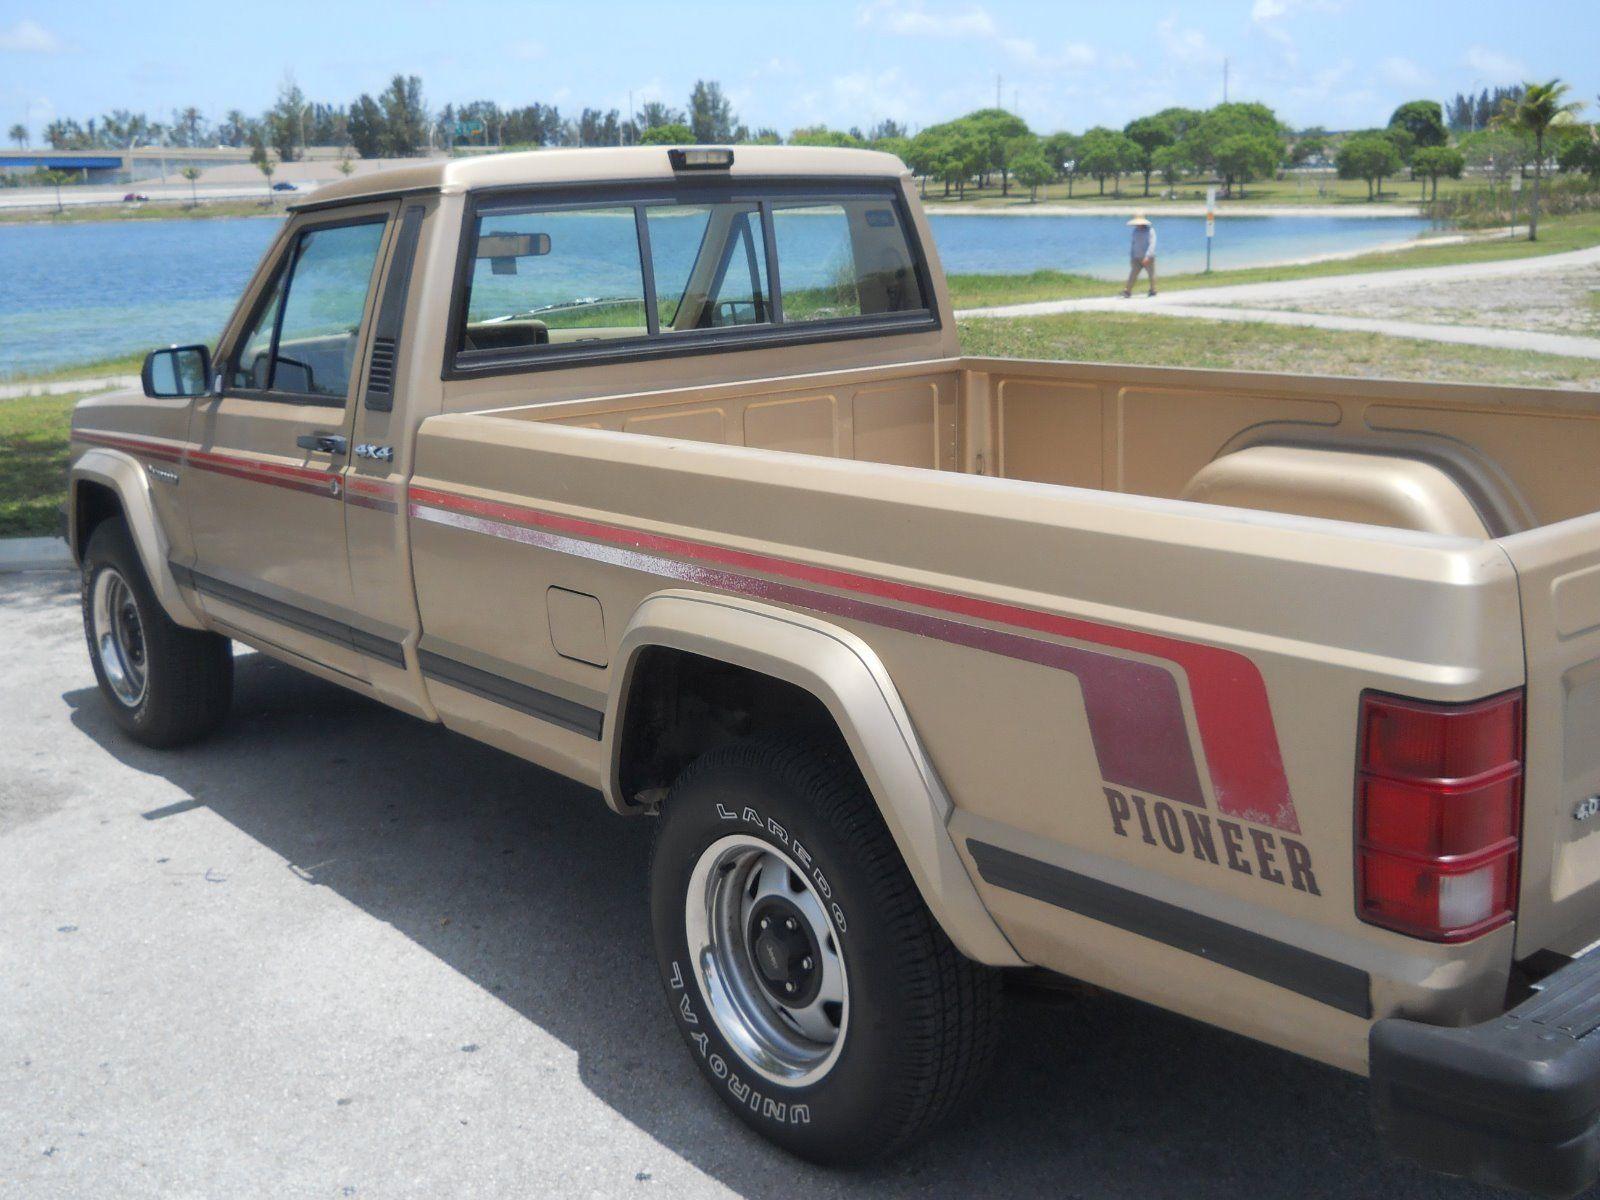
column 1135, row 713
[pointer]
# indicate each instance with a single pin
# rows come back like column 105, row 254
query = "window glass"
column 253, row 364
column 562, row 276
column 321, row 324
column 843, row 259
column 710, row 263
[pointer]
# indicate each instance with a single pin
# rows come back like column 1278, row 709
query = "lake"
column 83, row 292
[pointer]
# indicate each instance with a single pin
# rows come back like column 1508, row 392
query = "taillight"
column 1438, row 814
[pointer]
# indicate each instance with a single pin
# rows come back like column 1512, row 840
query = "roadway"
column 337, row 952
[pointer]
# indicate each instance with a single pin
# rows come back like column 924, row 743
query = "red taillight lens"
column 1439, row 800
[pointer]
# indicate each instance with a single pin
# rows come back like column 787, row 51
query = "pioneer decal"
column 1221, row 842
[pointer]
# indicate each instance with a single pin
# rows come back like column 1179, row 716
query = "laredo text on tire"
column 165, row 685
column 815, row 991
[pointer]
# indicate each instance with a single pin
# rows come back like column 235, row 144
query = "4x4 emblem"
column 1586, row 808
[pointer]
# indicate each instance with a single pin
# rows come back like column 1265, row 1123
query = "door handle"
column 322, row 443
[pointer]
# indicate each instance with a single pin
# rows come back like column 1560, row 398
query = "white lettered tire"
column 813, row 988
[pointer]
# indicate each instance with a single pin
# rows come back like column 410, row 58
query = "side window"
column 305, row 337
column 710, row 265
column 541, row 277
column 843, row 259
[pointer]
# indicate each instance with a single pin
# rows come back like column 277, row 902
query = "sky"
column 1340, row 64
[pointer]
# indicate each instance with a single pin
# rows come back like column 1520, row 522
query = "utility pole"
column 629, row 121
column 997, row 103
column 1224, row 81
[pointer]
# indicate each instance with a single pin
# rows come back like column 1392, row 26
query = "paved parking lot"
column 336, row 952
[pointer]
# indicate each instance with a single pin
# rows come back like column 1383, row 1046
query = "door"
column 268, row 456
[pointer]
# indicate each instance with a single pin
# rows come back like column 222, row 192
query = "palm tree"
column 19, row 135
column 1541, row 107
column 191, row 173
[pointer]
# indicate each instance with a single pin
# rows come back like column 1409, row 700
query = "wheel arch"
column 845, row 686
column 107, row 483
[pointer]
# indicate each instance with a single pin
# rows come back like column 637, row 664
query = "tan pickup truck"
column 1271, row 700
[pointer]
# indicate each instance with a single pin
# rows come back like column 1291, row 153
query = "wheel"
column 813, row 987
column 165, row 685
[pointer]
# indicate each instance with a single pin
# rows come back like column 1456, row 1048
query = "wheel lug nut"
column 765, row 922
column 789, row 923
column 806, row 964
column 788, row 987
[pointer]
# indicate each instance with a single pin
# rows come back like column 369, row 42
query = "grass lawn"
column 1139, row 339
column 126, row 364
column 155, row 210
column 1556, row 234
column 33, row 463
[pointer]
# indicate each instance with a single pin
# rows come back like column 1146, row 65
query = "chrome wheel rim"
column 778, row 992
column 119, row 637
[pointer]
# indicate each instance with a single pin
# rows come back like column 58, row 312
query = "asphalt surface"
column 336, row 952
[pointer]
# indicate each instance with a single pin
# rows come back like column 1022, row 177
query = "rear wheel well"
column 92, row 504
column 680, row 705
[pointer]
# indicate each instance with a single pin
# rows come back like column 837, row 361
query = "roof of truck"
column 597, row 165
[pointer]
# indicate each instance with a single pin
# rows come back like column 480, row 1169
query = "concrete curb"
column 64, row 387
column 34, row 554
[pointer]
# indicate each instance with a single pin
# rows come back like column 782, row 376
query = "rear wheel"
column 814, row 989
column 165, row 685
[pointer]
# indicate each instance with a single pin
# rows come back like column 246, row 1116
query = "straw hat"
column 1139, row 219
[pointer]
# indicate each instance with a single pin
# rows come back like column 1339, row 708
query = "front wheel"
column 814, row 989
column 165, row 685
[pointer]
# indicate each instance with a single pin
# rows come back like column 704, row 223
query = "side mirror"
column 177, row 372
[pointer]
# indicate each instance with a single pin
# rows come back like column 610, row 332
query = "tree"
column 900, row 147
column 1246, row 156
column 996, row 128
column 405, row 119
column 1497, row 152
column 1369, row 156
column 345, row 167
column 366, row 127
column 1430, row 162
column 191, row 173
column 1308, row 144
column 711, row 115
column 821, row 135
column 1581, row 153
column 1207, row 131
column 1541, row 108
column 1405, row 145
column 1170, row 162
column 673, row 134
column 19, row 135
column 1149, row 134
column 286, row 121
column 1105, row 154
column 56, row 178
column 235, row 129
column 1032, row 170
column 262, row 157
column 188, row 127
column 1423, row 120
column 653, row 114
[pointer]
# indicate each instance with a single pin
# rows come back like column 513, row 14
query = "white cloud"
column 1183, row 45
column 1403, row 73
column 908, row 18
column 29, row 37
column 1496, row 67
column 1267, row 10
column 525, row 50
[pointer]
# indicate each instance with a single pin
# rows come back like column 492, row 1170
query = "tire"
column 165, row 685
column 779, row 819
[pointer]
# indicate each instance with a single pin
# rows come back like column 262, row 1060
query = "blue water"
column 76, row 293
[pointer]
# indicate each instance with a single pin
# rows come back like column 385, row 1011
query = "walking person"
column 1142, row 251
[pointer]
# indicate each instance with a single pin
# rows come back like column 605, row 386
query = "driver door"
column 269, row 455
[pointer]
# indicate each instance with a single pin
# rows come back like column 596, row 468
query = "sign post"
column 1211, row 222
column 1516, row 188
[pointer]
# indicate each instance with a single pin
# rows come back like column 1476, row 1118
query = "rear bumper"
column 1514, row 1101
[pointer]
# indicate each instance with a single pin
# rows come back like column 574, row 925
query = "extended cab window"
column 643, row 275
column 554, row 276
column 302, row 340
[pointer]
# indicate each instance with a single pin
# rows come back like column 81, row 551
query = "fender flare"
column 849, row 679
column 126, row 477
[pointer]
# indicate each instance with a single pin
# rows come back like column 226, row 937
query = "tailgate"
column 1558, row 574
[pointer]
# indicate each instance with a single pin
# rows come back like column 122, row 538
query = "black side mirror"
column 177, row 372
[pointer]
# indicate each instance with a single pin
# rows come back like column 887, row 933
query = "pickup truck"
column 1269, row 699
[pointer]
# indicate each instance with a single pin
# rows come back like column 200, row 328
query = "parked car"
column 134, row 198
column 283, row 185
column 1273, row 700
